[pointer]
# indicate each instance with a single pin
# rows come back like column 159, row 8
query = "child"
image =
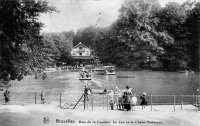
column 134, row 102
column 42, row 97
column 144, row 101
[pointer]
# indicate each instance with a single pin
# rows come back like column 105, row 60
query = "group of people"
column 85, row 74
column 125, row 100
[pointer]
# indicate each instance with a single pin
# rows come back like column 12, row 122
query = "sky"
column 75, row 14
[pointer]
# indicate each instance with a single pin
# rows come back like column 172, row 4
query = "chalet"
column 83, row 55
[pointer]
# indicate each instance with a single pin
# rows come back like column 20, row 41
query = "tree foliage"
column 22, row 49
column 148, row 35
column 59, row 46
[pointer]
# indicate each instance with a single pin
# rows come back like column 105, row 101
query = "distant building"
column 83, row 55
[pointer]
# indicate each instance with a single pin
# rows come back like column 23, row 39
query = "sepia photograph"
column 99, row 62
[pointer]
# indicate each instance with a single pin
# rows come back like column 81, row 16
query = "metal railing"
column 96, row 100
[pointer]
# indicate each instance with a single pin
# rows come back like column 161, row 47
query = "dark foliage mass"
column 22, row 50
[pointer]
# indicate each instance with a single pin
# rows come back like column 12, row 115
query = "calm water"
column 67, row 83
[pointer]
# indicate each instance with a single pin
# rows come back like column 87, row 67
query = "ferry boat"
column 50, row 69
column 105, row 70
column 100, row 71
column 109, row 70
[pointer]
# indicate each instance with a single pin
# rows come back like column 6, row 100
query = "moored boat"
column 125, row 76
column 50, row 69
column 100, row 71
column 89, row 78
column 109, row 70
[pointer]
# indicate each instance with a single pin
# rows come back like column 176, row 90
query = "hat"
column 127, row 87
column 144, row 93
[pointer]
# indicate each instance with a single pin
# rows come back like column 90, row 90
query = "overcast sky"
column 75, row 14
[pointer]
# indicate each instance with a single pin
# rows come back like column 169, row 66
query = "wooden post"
column 103, row 100
column 92, row 101
column 193, row 98
column 196, row 103
column 151, row 102
column 174, row 102
column 84, row 101
column 107, row 101
column 60, row 99
column 182, row 102
column 182, row 105
column 35, row 98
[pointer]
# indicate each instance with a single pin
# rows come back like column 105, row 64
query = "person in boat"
column 105, row 90
column 127, row 98
column 87, row 74
column 144, row 101
column 82, row 74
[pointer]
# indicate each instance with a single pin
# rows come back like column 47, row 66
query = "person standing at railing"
column 7, row 97
column 127, row 98
column 144, row 101
column 42, row 97
column 111, row 99
column 87, row 91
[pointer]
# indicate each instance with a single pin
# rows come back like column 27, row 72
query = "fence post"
column 103, row 100
column 92, row 101
column 193, row 98
column 174, row 102
column 60, row 99
column 107, row 101
column 196, row 103
column 181, row 102
column 84, row 101
column 151, row 102
column 35, row 97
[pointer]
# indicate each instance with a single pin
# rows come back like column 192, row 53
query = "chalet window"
column 80, row 54
column 80, row 48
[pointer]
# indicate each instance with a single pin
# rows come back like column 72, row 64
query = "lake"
column 71, row 89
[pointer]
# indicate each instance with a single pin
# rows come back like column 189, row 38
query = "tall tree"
column 193, row 27
column 172, row 19
column 21, row 46
column 137, row 36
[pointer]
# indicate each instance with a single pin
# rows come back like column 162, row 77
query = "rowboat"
column 89, row 78
column 125, row 76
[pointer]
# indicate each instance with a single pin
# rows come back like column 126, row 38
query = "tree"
column 172, row 19
column 138, row 41
column 193, row 27
column 59, row 46
column 22, row 49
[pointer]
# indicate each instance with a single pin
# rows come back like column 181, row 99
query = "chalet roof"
column 80, row 44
